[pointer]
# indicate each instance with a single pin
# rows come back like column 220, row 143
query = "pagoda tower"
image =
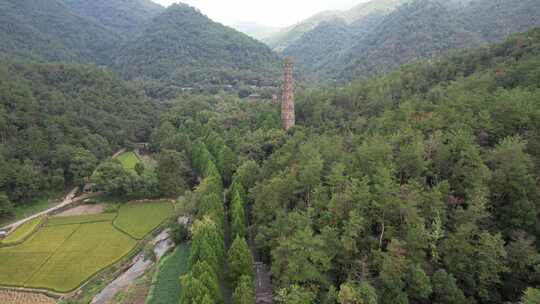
column 287, row 103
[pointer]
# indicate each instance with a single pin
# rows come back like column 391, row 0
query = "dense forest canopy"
column 58, row 120
column 415, row 187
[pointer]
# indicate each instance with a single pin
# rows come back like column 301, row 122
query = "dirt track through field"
column 83, row 210
column 162, row 244
column 68, row 200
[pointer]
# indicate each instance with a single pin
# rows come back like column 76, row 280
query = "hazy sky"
column 277, row 13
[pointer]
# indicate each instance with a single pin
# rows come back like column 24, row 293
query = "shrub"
column 179, row 233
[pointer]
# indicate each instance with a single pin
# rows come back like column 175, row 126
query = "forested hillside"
column 48, row 30
column 419, row 29
column 58, row 120
column 183, row 47
column 416, row 187
column 71, row 30
column 286, row 37
column 120, row 16
column 167, row 49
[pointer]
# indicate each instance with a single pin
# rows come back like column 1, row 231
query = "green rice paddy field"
column 67, row 251
column 24, row 231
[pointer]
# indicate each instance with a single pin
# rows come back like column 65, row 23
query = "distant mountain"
column 311, row 51
column 428, row 28
column 279, row 41
column 421, row 29
column 120, row 16
column 285, row 37
column 255, row 30
column 317, row 51
column 50, row 30
column 363, row 10
column 137, row 38
column 496, row 19
column 184, row 47
column 382, row 40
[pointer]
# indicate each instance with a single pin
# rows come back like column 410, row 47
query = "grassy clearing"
column 129, row 160
column 91, row 248
column 22, row 232
column 80, row 219
column 142, row 218
column 166, row 288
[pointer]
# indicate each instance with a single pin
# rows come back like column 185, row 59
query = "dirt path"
column 263, row 278
column 83, row 210
column 69, row 199
column 263, row 284
column 115, row 155
column 162, row 244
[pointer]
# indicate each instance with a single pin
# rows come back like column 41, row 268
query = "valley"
column 384, row 154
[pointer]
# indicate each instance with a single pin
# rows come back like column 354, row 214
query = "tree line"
column 415, row 187
column 208, row 253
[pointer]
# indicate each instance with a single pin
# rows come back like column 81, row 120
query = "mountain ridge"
column 419, row 29
column 48, row 30
column 187, row 47
column 282, row 39
column 184, row 46
column 128, row 20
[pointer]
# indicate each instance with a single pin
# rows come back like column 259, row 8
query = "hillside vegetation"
column 416, row 187
column 57, row 121
column 184, row 47
column 48, row 30
column 284, row 38
column 383, row 40
column 166, row 50
column 120, row 16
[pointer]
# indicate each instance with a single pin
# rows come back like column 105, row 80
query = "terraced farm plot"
column 80, row 219
column 140, row 219
column 19, row 263
column 91, row 248
column 22, row 232
column 129, row 160
column 67, row 251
